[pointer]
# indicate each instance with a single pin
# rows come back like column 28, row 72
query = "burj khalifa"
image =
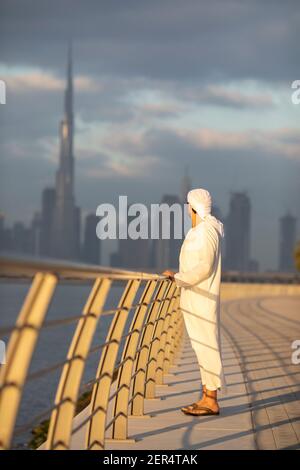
column 66, row 215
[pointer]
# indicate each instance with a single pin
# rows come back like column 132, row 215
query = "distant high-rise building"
column 2, row 232
column 253, row 265
column 65, row 235
column 91, row 243
column 47, row 216
column 237, row 233
column 35, row 235
column 77, row 237
column 131, row 253
column 287, row 242
column 6, row 235
column 21, row 240
column 216, row 212
column 167, row 249
column 115, row 260
column 186, row 186
column 56, row 230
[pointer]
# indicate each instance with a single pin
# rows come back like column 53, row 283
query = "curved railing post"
column 174, row 323
column 154, row 348
column 20, row 350
column 60, row 427
column 141, row 362
column 176, row 341
column 95, row 436
column 149, row 346
column 120, row 424
column 163, row 338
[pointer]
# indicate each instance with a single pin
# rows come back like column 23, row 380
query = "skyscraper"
column 65, row 228
column 47, row 214
column 6, row 235
column 237, row 233
column 35, row 235
column 91, row 243
column 131, row 253
column 287, row 242
column 2, row 232
column 186, row 186
column 167, row 249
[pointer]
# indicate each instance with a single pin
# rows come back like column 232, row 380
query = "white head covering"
column 201, row 202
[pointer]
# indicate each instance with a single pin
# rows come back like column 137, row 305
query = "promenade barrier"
column 148, row 347
column 146, row 344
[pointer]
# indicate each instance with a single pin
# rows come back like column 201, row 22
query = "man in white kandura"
column 199, row 278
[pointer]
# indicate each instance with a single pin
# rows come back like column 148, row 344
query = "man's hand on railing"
column 170, row 274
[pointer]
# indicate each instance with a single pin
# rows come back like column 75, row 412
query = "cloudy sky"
column 158, row 85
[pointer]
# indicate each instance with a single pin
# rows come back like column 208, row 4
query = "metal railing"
column 146, row 342
column 153, row 337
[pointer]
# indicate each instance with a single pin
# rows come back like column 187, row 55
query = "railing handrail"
column 154, row 335
column 153, row 301
column 24, row 267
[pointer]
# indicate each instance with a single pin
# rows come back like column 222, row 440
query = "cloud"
column 207, row 41
column 87, row 84
column 222, row 96
column 279, row 141
column 99, row 166
column 31, row 79
column 157, row 140
column 161, row 110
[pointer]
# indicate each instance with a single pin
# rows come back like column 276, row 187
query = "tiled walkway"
column 262, row 406
column 262, row 332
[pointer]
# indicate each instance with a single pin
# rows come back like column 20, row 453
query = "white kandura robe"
column 199, row 277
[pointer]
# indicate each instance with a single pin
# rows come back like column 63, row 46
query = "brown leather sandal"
column 191, row 406
column 195, row 411
column 188, row 407
column 192, row 409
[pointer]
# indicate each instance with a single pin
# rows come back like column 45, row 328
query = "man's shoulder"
column 211, row 235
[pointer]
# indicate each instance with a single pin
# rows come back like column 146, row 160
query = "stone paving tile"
column 262, row 406
column 169, row 428
column 261, row 331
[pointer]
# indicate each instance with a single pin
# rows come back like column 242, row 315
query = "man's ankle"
column 211, row 399
column 210, row 396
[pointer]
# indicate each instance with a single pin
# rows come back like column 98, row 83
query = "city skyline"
column 174, row 102
column 57, row 230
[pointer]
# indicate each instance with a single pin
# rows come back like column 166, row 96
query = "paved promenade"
column 261, row 409
column 261, row 332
